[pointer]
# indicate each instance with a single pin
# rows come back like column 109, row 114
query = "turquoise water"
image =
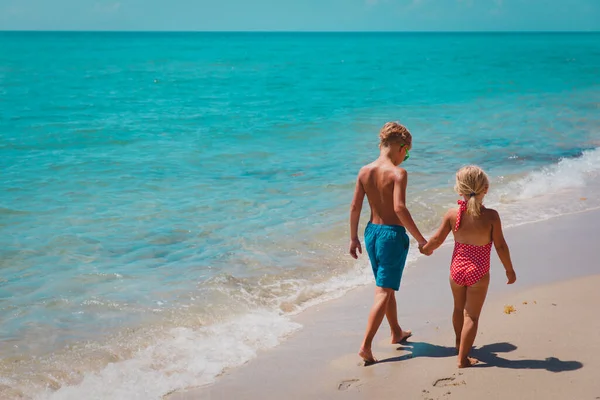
column 161, row 189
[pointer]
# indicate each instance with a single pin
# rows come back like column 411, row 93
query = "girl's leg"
column 460, row 298
column 475, row 299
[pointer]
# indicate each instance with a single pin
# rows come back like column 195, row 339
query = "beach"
column 547, row 348
column 174, row 206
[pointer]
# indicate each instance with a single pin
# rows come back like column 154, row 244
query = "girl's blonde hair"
column 472, row 182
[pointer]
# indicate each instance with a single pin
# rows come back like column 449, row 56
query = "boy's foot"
column 399, row 339
column 367, row 356
column 469, row 362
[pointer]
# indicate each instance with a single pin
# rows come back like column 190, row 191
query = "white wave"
column 187, row 358
column 196, row 357
column 568, row 173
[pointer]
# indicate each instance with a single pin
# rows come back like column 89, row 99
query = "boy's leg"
column 391, row 313
column 475, row 299
column 382, row 296
column 459, row 293
column 392, row 253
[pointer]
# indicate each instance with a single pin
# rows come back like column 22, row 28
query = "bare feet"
column 469, row 362
column 399, row 339
column 367, row 356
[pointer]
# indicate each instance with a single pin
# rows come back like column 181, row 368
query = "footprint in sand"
column 449, row 381
column 443, row 381
column 346, row 384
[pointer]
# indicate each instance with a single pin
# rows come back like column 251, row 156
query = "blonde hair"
column 472, row 182
column 393, row 132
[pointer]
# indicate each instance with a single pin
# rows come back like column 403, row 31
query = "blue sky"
column 302, row 15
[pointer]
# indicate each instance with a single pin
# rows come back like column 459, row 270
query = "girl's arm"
column 502, row 247
column 440, row 236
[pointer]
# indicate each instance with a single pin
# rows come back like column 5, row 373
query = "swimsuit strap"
column 461, row 209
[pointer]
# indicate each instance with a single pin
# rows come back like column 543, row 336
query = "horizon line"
column 284, row 31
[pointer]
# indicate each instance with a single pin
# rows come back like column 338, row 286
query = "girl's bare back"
column 476, row 231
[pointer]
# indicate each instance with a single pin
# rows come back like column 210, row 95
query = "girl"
column 475, row 228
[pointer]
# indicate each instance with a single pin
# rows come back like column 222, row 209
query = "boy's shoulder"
column 375, row 167
column 368, row 167
column 383, row 173
column 399, row 173
column 365, row 170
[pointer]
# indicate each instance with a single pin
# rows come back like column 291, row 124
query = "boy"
column 385, row 235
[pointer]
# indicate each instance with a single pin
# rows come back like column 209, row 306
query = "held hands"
column 511, row 276
column 354, row 246
column 424, row 250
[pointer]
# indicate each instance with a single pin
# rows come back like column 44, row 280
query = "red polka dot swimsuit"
column 469, row 262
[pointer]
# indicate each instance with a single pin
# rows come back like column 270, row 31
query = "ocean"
column 169, row 201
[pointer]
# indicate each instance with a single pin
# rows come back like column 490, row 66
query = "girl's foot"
column 367, row 356
column 403, row 336
column 468, row 362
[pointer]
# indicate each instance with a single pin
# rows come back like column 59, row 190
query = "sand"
column 547, row 349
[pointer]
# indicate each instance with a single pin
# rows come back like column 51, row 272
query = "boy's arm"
column 440, row 236
column 502, row 247
column 355, row 208
column 400, row 183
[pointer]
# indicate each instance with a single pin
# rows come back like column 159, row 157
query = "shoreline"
column 333, row 329
column 276, row 330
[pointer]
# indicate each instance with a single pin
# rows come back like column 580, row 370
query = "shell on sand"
column 509, row 309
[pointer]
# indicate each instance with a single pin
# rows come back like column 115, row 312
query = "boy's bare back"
column 379, row 179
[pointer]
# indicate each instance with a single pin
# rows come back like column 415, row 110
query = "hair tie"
column 473, row 194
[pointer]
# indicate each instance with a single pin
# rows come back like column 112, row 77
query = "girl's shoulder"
column 451, row 216
column 452, row 212
column 490, row 213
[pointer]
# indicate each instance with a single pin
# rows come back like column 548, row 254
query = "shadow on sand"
column 488, row 355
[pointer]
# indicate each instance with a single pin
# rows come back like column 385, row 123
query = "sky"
column 301, row 15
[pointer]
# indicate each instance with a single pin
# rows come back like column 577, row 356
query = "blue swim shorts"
column 387, row 246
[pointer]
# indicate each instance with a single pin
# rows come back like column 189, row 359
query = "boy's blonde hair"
column 393, row 132
column 471, row 182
